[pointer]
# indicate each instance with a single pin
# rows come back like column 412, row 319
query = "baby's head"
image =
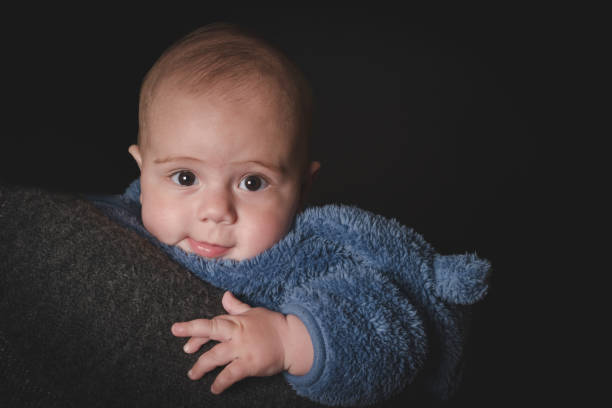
column 224, row 122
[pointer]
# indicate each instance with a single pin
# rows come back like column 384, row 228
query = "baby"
column 351, row 306
column 222, row 151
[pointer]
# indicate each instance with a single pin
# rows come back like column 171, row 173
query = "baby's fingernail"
column 186, row 348
column 190, row 373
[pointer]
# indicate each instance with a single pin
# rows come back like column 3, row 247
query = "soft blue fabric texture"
column 383, row 309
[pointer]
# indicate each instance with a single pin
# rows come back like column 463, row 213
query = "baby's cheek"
column 268, row 231
column 160, row 222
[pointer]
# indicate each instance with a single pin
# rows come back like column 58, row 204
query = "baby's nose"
column 217, row 205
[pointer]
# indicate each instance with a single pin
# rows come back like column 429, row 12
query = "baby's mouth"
column 207, row 250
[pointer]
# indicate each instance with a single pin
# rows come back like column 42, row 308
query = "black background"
column 456, row 121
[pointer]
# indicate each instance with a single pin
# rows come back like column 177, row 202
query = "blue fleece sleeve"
column 368, row 339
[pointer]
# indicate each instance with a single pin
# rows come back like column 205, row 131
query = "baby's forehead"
column 230, row 95
column 223, row 108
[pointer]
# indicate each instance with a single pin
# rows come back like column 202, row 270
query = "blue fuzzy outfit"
column 382, row 308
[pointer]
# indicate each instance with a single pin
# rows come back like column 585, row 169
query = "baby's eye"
column 253, row 183
column 184, row 178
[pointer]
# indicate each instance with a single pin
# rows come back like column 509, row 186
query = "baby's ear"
column 311, row 172
column 461, row 279
column 313, row 169
column 135, row 152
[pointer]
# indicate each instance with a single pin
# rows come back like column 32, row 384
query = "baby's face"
column 219, row 178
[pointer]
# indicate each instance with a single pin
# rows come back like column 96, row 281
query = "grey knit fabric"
column 86, row 310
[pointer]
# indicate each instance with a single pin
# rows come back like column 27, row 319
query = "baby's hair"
column 224, row 57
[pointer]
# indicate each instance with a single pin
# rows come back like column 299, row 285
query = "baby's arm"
column 253, row 342
column 368, row 337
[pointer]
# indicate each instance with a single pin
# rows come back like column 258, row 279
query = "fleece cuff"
column 302, row 382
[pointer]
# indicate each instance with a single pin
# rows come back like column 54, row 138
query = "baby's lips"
column 206, row 249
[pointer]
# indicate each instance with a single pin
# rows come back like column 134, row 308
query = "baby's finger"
column 194, row 344
column 231, row 374
column 217, row 356
column 217, row 328
column 232, row 305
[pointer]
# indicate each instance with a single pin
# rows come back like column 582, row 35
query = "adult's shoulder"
column 87, row 306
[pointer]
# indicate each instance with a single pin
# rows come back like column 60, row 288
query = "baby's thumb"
column 232, row 305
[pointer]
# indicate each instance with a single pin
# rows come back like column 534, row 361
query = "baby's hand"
column 253, row 342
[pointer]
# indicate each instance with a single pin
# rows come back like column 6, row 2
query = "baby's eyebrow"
column 173, row 158
column 273, row 167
